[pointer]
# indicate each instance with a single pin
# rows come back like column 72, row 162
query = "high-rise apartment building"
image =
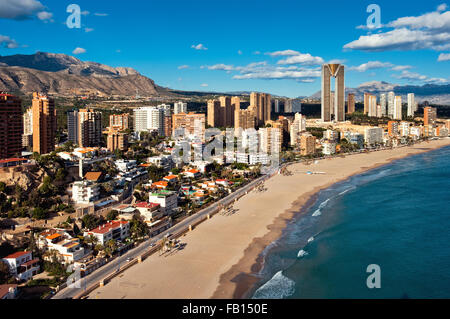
column 117, row 141
column 383, row 104
column 193, row 124
column 44, row 124
column 373, row 135
column 270, row 140
column 393, row 128
column 214, row 114
column 179, row 107
column 391, row 101
column 72, row 126
column 307, row 144
column 89, row 128
column 262, row 105
column 149, row 119
column 411, row 104
column 276, row 106
column 351, row 103
column 337, row 71
column 430, row 116
column 398, row 108
column 372, row 101
column 11, row 126
column 119, row 121
column 297, row 126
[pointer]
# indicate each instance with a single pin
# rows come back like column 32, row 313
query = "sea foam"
column 278, row 287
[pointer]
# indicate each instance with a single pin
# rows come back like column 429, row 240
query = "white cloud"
column 85, row 13
column 101, row 14
column 416, row 77
column 306, row 59
column 79, row 51
column 198, row 47
column 182, row 67
column 222, row 67
column 283, row 53
column 87, row 30
column 204, row 85
column 45, row 16
column 337, row 61
column 19, row 9
column 7, row 42
column 371, row 65
column 444, row 57
column 401, row 67
column 442, row 7
column 427, row 31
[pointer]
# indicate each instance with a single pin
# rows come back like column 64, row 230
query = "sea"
column 389, row 226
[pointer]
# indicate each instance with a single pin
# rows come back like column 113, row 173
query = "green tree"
column 39, row 213
column 4, row 273
column 112, row 215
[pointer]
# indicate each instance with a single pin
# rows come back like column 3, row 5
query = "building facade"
column 11, row 126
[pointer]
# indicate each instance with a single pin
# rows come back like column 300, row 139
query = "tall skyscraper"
column 179, row 107
column 351, row 103
column 89, row 128
column 44, row 124
column 276, row 106
column 372, row 99
column 337, row 71
column 296, row 105
column 227, row 112
column 28, row 122
column 72, row 126
column 391, row 99
column 11, row 126
column 214, row 114
column 411, row 105
column 270, row 140
column 383, row 104
column 288, row 106
column 398, row 108
column 367, row 103
column 262, row 104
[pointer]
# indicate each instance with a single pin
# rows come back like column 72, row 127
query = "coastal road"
column 115, row 264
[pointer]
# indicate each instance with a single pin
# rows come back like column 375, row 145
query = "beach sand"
column 221, row 254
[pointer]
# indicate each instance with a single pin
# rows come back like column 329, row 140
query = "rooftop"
column 147, row 205
column 18, row 254
column 102, row 229
column 93, row 176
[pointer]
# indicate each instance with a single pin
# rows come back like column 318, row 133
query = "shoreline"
column 246, row 281
column 222, row 255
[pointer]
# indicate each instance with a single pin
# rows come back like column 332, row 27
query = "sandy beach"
column 222, row 253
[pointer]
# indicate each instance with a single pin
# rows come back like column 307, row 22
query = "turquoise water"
column 396, row 216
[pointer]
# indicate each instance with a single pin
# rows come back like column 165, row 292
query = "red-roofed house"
column 192, row 173
column 22, row 265
column 117, row 230
column 172, row 179
column 161, row 185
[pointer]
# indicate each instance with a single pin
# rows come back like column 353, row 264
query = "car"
column 128, row 260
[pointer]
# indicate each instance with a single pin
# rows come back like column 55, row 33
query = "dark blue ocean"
column 396, row 216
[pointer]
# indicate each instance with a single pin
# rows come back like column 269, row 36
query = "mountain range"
column 61, row 74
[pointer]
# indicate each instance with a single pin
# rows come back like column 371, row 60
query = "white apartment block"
column 148, row 119
column 166, row 199
column 411, row 104
column 398, row 108
column 180, row 107
column 85, row 192
column 391, row 99
column 114, row 230
column 373, row 135
column 404, row 128
column 68, row 249
column 297, row 126
column 22, row 265
column 328, row 147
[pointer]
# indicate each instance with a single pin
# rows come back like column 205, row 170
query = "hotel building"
column 351, row 103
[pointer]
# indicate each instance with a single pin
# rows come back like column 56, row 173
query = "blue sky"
column 215, row 45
